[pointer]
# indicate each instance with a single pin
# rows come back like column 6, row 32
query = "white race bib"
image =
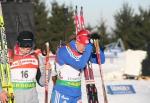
column 23, row 75
column 66, row 72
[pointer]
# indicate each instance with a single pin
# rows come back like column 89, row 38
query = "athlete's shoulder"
column 62, row 49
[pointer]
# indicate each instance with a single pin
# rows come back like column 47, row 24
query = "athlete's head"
column 82, row 39
column 25, row 41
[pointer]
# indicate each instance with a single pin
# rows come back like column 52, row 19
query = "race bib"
column 23, row 75
column 68, row 73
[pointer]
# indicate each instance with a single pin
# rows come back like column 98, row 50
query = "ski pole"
column 96, row 43
column 46, row 70
column 82, row 19
column 76, row 21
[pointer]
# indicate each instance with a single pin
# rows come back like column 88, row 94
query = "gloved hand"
column 43, row 50
column 95, row 36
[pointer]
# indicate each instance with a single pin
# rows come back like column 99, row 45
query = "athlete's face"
column 25, row 50
column 80, row 47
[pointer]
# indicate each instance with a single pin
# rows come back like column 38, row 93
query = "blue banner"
column 120, row 89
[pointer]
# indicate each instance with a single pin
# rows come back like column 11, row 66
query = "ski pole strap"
column 69, row 83
column 28, row 85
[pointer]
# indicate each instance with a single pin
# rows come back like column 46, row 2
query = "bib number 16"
column 24, row 74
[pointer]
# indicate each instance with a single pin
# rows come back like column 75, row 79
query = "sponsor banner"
column 120, row 89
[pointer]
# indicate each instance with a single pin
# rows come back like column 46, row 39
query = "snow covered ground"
column 141, row 87
column 112, row 73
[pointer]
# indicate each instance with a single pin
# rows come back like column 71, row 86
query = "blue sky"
column 95, row 10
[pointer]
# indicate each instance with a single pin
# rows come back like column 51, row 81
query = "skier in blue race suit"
column 71, row 60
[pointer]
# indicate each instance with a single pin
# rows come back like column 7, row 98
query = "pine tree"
column 146, row 63
column 54, row 28
column 123, row 22
column 41, row 22
column 61, row 23
column 145, row 27
column 145, row 32
column 102, row 30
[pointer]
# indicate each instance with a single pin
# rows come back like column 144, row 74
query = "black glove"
column 43, row 50
column 95, row 36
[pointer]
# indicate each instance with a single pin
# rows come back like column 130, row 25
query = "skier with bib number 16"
column 24, row 64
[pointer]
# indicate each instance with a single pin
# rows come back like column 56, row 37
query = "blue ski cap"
column 25, row 39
